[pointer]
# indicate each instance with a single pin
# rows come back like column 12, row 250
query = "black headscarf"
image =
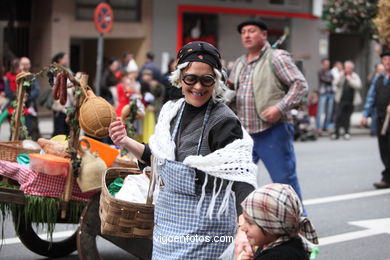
column 201, row 52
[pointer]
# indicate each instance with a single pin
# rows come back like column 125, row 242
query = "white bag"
column 134, row 189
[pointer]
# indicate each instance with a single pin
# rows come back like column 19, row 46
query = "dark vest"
column 187, row 140
column 382, row 99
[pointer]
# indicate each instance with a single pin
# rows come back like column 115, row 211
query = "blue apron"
column 179, row 232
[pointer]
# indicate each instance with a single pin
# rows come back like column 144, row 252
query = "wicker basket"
column 10, row 150
column 122, row 218
column 119, row 162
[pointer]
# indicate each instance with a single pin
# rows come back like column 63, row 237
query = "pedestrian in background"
column 156, row 88
column 128, row 62
column 268, row 86
column 312, row 107
column 336, row 72
column 379, row 69
column 10, row 76
column 171, row 92
column 31, row 102
column 379, row 99
column 3, row 81
column 59, row 111
column 109, row 81
column 326, row 98
column 150, row 65
column 347, row 96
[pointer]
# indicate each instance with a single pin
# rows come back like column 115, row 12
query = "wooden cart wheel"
column 51, row 249
column 90, row 229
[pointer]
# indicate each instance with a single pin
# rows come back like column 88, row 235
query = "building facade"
column 52, row 26
column 175, row 22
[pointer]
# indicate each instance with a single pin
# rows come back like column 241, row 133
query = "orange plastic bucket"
column 106, row 152
column 49, row 164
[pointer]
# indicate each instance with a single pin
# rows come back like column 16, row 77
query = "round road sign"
column 103, row 18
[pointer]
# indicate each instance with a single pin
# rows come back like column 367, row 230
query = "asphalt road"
column 336, row 179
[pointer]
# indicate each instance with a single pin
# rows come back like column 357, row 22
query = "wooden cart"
column 84, row 238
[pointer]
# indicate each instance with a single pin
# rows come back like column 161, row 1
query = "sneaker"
column 347, row 136
column 334, row 136
column 382, row 185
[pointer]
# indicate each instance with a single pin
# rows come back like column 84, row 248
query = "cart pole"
column 73, row 145
column 20, row 92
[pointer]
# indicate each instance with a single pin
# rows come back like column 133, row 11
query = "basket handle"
column 152, row 183
column 83, row 149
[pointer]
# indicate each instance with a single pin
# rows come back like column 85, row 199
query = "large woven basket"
column 10, row 150
column 122, row 218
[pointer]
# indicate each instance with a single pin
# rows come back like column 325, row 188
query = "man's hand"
column 363, row 122
column 117, row 131
column 271, row 114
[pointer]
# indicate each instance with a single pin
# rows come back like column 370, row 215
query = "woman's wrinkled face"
column 200, row 77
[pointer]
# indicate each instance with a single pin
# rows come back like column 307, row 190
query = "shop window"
column 287, row 3
column 124, row 10
column 200, row 27
column 276, row 2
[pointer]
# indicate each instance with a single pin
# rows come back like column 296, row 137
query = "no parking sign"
column 103, row 18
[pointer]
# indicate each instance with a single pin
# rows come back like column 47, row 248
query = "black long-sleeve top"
column 220, row 135
column 290, row 250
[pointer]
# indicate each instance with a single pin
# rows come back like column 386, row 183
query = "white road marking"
column 350, row 196
column 374, row 227
column 323, row 241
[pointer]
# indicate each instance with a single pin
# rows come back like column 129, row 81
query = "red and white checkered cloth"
column 40, row 184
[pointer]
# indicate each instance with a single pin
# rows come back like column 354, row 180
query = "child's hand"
column 245, row 256
column 242, row 245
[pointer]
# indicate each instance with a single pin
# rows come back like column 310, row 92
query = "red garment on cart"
column 40, row 184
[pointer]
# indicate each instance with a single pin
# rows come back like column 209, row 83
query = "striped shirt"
column 286, row 72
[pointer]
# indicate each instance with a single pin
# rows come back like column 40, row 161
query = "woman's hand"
column 117, row 131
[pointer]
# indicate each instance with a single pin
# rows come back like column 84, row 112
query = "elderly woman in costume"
column 203, row 159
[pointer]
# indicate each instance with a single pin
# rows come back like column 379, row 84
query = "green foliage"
column 129, row 122
column 350, row 16
column 23, row 132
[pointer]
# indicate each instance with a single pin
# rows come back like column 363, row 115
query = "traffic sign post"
column 104, row 19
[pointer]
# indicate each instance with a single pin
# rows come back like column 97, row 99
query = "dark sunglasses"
column 205, row 80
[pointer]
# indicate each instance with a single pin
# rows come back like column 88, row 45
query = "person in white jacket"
column 347, row 96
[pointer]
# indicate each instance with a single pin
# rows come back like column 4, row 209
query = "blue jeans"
column 325, row 105
column 275, row 148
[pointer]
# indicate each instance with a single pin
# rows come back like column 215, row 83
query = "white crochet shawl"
column 231, row 163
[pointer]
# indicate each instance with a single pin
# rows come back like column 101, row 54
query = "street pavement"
column 351, row 217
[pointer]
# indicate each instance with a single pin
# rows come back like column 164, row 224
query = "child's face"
column 254, row 233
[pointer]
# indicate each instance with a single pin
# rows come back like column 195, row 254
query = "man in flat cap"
column 379, row 98
column 268, row 85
